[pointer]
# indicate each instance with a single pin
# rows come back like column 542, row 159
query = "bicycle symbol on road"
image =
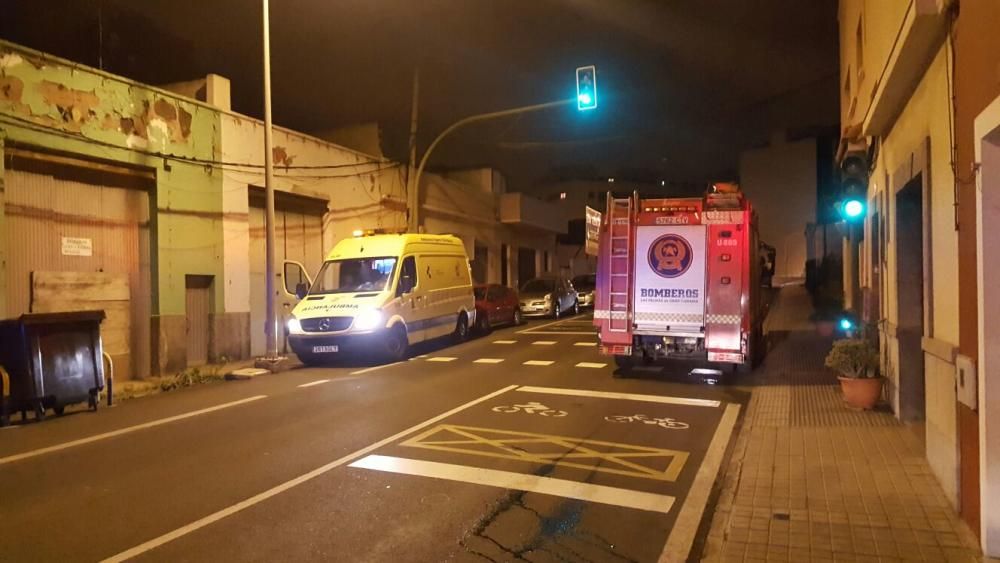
column 668, row 423
column 530, row 408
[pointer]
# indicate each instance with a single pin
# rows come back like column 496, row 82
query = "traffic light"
column 853, row 186
column 586, row 88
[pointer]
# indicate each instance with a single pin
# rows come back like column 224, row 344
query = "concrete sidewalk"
column 811, row 480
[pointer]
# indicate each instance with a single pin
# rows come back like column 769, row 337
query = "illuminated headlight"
column 368, row 319
column 548, row 297
column 294, row 326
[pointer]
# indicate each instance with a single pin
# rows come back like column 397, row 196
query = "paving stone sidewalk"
column 811, row 480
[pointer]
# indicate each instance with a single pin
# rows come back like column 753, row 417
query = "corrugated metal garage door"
column 298, row 236
column 57, row 214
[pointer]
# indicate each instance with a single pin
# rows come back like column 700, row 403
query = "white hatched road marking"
column 488, row 361
column 441, row 359
column 317, row 382
column 261, row 497
column 505, row 341
column 543, row 343
column 625, row 396
column 539, row 363
column 520, row 482
column 584, row 344
column 126, row 430
column 590, row 365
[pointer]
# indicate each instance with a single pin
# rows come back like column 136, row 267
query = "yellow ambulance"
column 381, row 293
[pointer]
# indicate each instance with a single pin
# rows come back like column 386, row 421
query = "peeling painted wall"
column 54, row 105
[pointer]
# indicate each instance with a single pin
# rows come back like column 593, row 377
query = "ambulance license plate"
column 325, row 349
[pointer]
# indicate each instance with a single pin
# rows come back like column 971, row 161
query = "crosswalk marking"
column 544, row 342
column 441, row 359
column 584, row 344
column 590, row 365
column 488, row 361
column 505, row 341
column 539, row 363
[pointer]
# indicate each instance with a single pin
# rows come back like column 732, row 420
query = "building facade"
column 916, row 94
column 148, row 203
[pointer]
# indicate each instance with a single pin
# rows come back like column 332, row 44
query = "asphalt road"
column 517, row 445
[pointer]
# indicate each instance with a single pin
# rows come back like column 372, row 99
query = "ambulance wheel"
column 395, row 345
column 461, row 328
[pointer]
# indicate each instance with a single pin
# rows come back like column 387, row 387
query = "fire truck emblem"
column 670, row 256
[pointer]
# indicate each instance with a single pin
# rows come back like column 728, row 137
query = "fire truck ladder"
column 620, row 212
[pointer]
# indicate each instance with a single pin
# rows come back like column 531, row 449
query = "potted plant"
column 856, row 360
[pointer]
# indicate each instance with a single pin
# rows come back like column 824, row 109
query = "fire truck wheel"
column 624, row 364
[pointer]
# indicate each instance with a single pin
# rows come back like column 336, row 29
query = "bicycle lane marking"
column 634, row 443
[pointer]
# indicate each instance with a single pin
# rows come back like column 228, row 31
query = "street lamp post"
column 270, row 327
column 414, row 225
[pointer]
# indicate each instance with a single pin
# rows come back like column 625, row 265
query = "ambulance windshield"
column 354, row 275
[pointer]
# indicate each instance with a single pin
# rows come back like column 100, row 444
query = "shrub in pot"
column 856, row 360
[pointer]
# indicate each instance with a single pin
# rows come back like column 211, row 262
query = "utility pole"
column 412, row 197
column 270, row 328
column 415, row 184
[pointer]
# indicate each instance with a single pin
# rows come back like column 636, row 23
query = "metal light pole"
column 414, row 225
column 412, row 199
column 270, row 328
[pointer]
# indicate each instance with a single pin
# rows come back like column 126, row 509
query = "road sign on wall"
column 593, row 230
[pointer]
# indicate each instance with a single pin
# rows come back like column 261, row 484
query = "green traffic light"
column 853, row 209
column 586, row 88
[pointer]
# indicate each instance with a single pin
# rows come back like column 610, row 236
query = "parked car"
column 548, row 297
column 496, row 305
column 584, row 286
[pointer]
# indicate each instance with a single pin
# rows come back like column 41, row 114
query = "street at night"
column 513, row 445
column 546, row 281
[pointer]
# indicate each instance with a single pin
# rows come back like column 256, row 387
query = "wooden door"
column 198, row 310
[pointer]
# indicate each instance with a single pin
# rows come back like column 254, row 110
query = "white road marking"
column 543, row 343
column 261, row 497
column 625, row 396
column 528, row 330
column 584, row 344
column 505, row 341
column 539, row 363
column 317, row 382
column 590, row 365
column 126, row 430
column 682, row 535
column 441, row 359
column 520, row 482
column 488, row 361
column 373, row 368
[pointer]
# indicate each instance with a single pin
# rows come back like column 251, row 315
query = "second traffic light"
column 586, row 87
column 853, row 186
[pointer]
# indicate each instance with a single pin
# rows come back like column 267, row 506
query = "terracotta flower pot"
column 861, row 393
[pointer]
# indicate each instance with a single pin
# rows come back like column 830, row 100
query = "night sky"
column 684, row 85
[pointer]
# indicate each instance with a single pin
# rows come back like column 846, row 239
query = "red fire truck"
column 679, row 278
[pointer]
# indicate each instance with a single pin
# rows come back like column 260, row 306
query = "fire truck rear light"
column 726, row 257
column 726, row 280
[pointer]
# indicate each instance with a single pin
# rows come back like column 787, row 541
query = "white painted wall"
column 780, row 182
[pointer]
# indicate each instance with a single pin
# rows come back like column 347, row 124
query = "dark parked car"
column 496, row 305
column 548, row 297
column 584, row 286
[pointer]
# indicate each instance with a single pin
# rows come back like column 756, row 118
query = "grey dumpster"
column 51, row 360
